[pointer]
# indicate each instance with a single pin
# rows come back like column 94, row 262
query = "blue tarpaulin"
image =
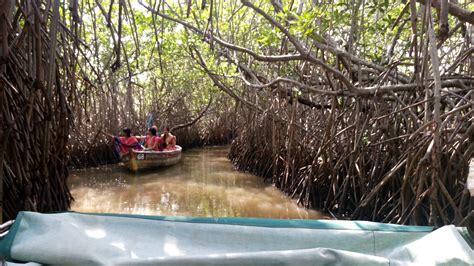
column 85, row 239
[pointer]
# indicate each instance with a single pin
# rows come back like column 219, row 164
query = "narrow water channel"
column 204, row 183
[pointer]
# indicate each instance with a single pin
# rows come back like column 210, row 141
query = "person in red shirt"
column 152, row 141
column 126, row 142
column 168, row 140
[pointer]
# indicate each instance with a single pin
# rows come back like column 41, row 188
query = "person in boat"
column 168, row 140
column 125, row 142
column 152, row 140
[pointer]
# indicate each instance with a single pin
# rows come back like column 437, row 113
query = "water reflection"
column 205, row 183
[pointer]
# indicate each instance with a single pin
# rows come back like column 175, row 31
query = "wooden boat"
column 140, row 160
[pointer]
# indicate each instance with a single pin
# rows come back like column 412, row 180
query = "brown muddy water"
column 204, row 183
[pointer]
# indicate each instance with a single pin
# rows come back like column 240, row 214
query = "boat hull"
column 142, row 160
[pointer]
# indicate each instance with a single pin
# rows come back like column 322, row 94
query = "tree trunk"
column 5, row 22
